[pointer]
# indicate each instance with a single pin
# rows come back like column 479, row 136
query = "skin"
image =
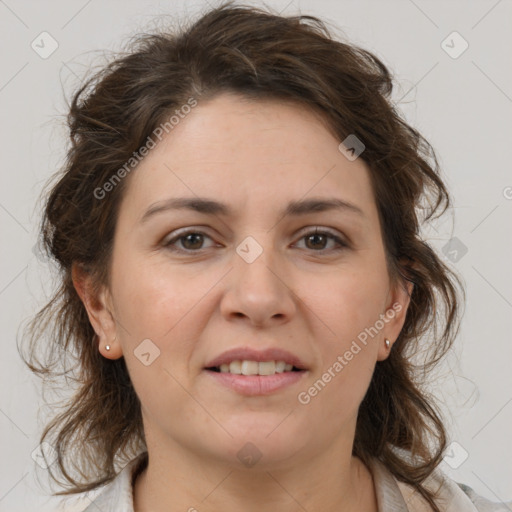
column 301, row 295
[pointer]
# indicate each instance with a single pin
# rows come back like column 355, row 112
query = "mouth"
column 251, row 372
column 261, row 368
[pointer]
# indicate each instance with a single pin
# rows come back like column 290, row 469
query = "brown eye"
column 318, row 240
column 190, row 241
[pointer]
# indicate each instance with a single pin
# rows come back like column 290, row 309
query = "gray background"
column 462, row 105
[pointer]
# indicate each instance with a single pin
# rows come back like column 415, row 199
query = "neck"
column 204, row 485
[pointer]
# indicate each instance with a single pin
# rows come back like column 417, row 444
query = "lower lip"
column 251, row 385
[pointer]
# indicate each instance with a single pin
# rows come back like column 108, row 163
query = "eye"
column 191, row 241
column 316, row 240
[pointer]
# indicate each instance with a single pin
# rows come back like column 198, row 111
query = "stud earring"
column 107, row 347
column 387, row 342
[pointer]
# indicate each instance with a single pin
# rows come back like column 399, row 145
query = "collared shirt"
column 392, row 495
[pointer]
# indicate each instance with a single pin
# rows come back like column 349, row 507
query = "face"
column 189, row 284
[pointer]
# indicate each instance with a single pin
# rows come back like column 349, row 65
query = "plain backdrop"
column 459, row 98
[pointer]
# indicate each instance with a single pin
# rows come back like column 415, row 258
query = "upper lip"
column 250, row 354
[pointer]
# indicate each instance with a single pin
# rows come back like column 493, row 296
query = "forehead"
column 243, row 151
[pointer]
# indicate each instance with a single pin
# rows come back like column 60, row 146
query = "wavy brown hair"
column 259, row 55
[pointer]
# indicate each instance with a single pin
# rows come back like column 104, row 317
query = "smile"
column 254, row 367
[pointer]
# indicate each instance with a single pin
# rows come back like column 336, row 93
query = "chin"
column 260, row 445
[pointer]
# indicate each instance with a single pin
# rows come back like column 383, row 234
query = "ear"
column 396, row 309
column 98, row 305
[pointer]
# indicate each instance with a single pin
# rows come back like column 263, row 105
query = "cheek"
column 158, row 314
column 333, row 399
column 155, row 297
column 347, row 362
column 348, row 339
column 353, row 303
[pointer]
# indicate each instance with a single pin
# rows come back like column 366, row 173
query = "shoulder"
column 451, row 496
column 483, row 504
column 117, row 495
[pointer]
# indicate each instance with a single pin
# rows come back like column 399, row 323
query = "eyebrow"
column 212, row 207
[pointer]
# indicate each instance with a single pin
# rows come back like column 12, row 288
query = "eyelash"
column 341, row 244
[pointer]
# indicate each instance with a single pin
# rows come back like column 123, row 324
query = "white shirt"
column 392, row 495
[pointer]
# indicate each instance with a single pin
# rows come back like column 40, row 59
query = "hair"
column 260, row 56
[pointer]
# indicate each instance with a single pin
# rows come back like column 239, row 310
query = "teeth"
column 280, row 366
column 256, row 368
column 267, row 368
column 235, row 367
column 250, row 368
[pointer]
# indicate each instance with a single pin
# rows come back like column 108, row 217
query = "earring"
column 107, row 347
column 387, row 342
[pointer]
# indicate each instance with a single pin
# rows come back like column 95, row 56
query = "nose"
column 258, row 292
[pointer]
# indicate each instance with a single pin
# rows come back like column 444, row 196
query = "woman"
column 244, row 287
